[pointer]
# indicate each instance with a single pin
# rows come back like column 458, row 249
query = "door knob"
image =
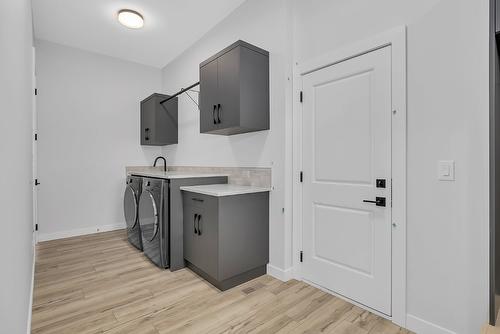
column 379, row 201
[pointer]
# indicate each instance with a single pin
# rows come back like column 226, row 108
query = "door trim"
column 396, row 38
column 34, row 149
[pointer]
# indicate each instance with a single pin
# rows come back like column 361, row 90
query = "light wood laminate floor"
column 101, row 284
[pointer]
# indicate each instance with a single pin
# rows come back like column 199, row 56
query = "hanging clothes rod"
column 180, row 92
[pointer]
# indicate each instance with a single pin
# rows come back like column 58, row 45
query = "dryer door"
column 148, row 215
column 130, row 207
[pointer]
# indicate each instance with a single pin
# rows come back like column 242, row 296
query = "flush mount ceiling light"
column 130, row 19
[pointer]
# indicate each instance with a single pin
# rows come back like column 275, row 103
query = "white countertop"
column 219, row 190
column 174, row 175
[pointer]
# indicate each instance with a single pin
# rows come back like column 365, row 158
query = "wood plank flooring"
column 101, row 284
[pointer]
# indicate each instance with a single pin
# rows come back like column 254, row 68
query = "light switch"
column 446, row 170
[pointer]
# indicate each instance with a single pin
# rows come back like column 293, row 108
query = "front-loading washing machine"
column 153, row 219
column 131, row 209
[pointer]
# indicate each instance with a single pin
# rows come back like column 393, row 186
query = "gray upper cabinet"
column 208, row 99
column 234, row 90
column 497, row 16
column 159, row 121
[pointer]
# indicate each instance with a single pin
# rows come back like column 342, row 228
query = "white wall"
column 447, row 120
column 265, row 24
column 88, row 120
column 16, row 247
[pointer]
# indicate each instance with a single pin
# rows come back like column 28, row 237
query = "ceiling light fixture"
column 130, row 18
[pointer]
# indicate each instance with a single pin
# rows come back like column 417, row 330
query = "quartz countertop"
column 219, row 190
column 173, row 175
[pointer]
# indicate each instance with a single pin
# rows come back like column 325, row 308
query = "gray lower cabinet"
column 159, row 121
column 226, row 239
column 176, row 219
column 234, row 90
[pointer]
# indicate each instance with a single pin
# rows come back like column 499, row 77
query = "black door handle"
column 194, row 223
column 218, row 113
column 199, row 229
column 213, row 114
column 379, row 201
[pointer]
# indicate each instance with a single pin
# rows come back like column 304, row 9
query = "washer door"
column 130, row 207
column 148, row 215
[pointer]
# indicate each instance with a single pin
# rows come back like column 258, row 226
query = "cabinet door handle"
column 197, row 199
column 194, row 223
column 147, row 129
column 199, row 228
column 213, row 114
column 218, row 113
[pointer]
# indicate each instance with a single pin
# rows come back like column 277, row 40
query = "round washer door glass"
column 148, row 215
column 130, row 207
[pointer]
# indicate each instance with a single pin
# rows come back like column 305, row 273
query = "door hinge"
column 36, row 136
column 36, row 227
column 301, row 96
column 36, row 91
column 301, row 256
column 36, row 182
column 301, row 177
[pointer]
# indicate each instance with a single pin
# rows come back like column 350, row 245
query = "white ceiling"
column 170, row 27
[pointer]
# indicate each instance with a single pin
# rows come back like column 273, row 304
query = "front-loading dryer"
column 131, row 209
column 153, row 219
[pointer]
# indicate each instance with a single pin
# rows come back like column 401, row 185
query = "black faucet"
column 164, row 163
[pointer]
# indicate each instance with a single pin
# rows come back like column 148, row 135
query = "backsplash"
column 245, row 176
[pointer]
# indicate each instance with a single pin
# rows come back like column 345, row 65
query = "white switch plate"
column 446, row 170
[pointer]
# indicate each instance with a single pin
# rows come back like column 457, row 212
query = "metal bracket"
column 184, row 90
column 197, row 105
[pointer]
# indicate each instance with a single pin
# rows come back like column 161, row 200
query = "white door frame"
column 34, row 151
column 396, row 38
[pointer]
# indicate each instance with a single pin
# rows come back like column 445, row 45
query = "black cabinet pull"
column 218, row 113
column 147, row 138
column 379, row 201
column 197, row 199
column 147, row 129
column 194, row 223
column 199, row 228
column 213, row 114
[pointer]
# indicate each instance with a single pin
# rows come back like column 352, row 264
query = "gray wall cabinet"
column 234, row 90
column 159, row 121
column 226, row 239
column 497, row 16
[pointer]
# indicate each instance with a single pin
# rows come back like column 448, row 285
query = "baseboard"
column 78, row 232
column 282, row 275
column 30, row 309
column 418, row 326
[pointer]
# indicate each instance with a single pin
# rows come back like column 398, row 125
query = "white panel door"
column 346, row 148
